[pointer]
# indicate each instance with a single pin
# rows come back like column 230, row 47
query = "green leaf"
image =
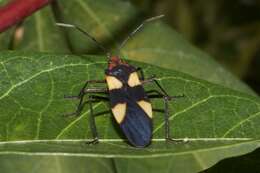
column 54, row 164
column 41, row 34
column 5, row 39
column 3, row 2
column 104, row 19
column 218, row 122
column 158, row 41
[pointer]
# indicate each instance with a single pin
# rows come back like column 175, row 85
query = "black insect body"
column 130, row 104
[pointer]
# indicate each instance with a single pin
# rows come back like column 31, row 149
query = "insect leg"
column 91, row 91
column 166, row 113
column 159, row 95
column 81, row 95
column 167, row 122
column 92, row 124
column 141, row 73
column 162, row 90
column 82, row 104
column 82, row 91
column 160, row 87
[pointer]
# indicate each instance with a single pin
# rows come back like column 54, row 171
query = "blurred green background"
column 227, row 30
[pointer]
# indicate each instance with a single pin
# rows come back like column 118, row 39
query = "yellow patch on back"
column 113, row 83
column 119, row 112
column 133, row 80
column 147, row 107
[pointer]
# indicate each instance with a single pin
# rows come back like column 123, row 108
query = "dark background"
column 229, row 30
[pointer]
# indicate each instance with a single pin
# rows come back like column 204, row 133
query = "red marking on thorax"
column 114, row 61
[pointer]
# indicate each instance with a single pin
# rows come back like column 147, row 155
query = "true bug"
column 130, row 104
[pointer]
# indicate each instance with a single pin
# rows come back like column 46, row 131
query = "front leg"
column 82, row 93
column 81, row 105
column 153, row 79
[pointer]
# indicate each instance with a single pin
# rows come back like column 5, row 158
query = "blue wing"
column 137, row 125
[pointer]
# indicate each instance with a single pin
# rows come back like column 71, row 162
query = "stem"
column 16, row 10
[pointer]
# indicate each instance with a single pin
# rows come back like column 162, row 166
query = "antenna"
column 87, row 34
column 138, row 29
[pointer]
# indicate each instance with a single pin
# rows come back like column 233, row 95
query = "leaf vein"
column 184, row 110
column 46, row 107
column 5, row 70
column 75, row 121
column 39, row 73
column 197, row 104
column 240, row 123
column 253, row 144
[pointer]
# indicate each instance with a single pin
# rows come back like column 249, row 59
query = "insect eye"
column 117, row 72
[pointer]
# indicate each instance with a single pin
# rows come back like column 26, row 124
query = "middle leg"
column 93, row 98
column 162, row 94
column 84, row 91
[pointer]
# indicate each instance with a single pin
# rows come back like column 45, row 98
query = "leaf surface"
column 39, row 33
column 217, row 121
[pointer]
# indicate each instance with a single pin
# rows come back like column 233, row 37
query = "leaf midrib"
column 255, row 142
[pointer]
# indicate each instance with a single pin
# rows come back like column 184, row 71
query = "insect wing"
column 137, row 125
column 133, row 112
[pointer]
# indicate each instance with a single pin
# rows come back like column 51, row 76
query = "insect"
column 130, row 103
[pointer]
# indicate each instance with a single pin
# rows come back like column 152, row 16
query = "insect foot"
column 93, row 142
